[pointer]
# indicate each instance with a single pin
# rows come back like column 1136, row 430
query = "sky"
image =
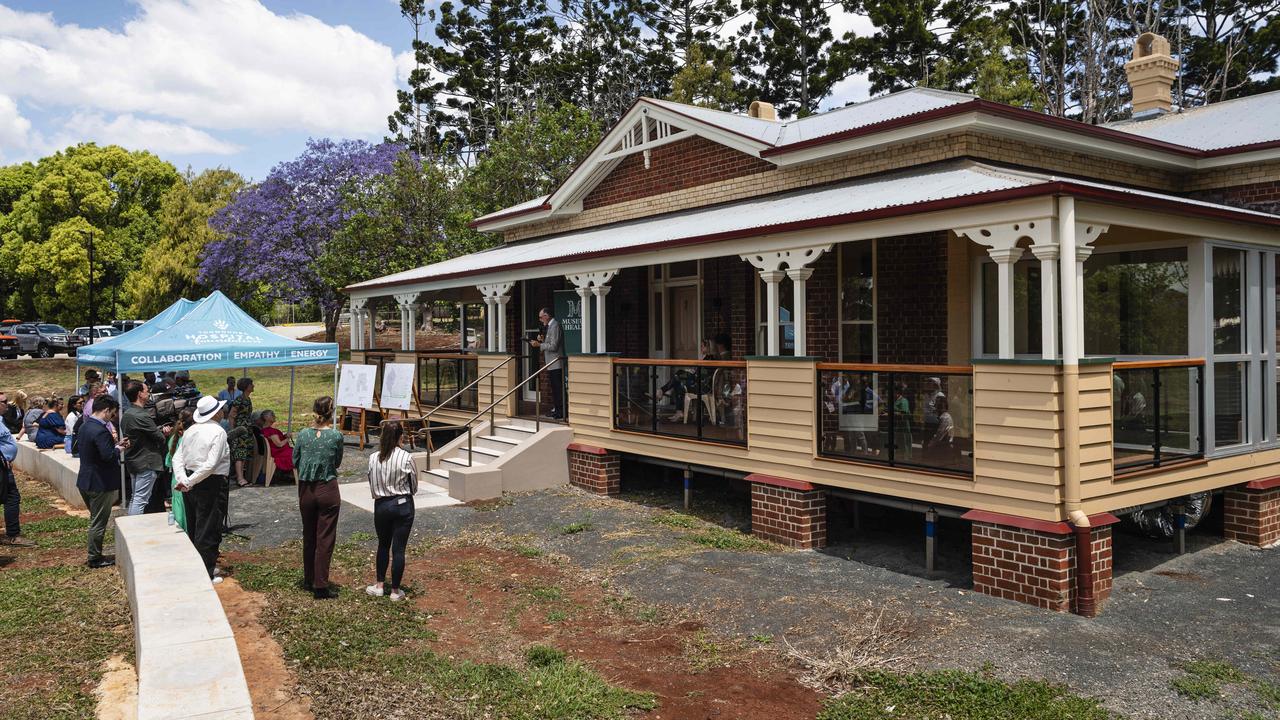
column 208, row 83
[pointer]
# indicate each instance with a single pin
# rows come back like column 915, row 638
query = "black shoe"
column 101, row 563
column 325, row 594
column 304, row 585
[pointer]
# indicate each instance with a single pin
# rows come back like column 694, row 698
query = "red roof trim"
column 1060, row 527
column 589, row 449
column 1015, row 113
column 1058, row 187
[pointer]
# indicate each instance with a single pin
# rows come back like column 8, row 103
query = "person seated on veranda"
column 52, row 427
column 279, row 443
column 684, row 381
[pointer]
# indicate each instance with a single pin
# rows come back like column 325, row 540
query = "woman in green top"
column 317, row 453
column 185, row 418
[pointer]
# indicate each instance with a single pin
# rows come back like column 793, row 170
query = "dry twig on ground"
column 874, row 641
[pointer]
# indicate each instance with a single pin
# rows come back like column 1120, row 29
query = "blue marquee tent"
column 213, row 333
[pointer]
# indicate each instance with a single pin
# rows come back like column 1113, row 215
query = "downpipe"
column 1086, row 604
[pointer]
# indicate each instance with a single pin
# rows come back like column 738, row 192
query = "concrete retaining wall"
column 54, row 467
column 188, row 665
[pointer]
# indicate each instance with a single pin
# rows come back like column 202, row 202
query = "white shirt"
column 202, row 452
column 394, row 477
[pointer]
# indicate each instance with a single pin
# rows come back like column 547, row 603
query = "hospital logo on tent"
column 223, row 334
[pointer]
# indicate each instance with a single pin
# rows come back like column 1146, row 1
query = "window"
column 1229, row 345
column 1026, row 298
column 1135, row 303
column 857, row 302
column 786, row 325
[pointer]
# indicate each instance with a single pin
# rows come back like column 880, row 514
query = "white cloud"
column 16, row 136
column 204, row 64
column 134, row 133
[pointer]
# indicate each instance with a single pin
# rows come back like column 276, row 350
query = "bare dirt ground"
column 488, row 604
column 272, row 685
column 390, row 338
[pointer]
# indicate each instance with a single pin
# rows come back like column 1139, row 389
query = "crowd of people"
column 190, row 462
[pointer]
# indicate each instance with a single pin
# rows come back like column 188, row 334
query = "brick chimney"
column 1151, row 73
column 762, row 110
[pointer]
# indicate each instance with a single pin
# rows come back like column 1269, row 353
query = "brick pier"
column 1034, row 561
column 789, row 512
column 1251, row 512
column 595, row 469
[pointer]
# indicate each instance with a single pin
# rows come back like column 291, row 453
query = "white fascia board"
column 1117, row 215
column 1244, row 158
column 990, row 213
column 1006, row 127
column 579, row 183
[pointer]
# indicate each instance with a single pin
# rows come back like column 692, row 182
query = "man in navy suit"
column 99, row 478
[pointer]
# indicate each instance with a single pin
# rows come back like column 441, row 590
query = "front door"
column 683, row 321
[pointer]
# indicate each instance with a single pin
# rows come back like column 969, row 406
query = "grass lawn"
column 60, row 620
column 271, row 385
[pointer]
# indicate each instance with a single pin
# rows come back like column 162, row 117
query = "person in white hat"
column 200, row 466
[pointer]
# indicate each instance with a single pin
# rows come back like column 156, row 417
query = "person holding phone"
column 145, row 457
column 99, row 476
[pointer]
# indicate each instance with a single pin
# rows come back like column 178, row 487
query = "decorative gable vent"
column 645, row 134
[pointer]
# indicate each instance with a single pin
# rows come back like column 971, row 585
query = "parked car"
column 44, row 339
column 124, row 326
column 99, row 332
column 9, row 347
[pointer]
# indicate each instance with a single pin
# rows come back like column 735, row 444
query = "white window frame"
column 875, row 300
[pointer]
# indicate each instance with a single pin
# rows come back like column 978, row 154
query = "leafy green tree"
column 109, row 194
column 1228, row 48
column 169, row 268
column 15, row 181
column 675, row 28
column 788, row 55
column 491, row 52
column 706, row 82
column 932, row 43
column 532, row 155
column 598, row 63
column 413, row 122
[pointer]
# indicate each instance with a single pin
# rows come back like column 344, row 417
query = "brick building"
column 926, row 298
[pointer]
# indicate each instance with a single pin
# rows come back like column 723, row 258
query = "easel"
column 348, row 429
column 411, row 424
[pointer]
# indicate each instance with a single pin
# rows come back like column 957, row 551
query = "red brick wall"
column 595, row 472
column 728, row 303
column 675, row 166
column 1251, row 516
column 797, row 518
column 911, row 299
column 1037, row 568
column 823, row 308
column 1263, row 196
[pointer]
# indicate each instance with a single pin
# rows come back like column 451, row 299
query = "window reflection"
column 1135, row 303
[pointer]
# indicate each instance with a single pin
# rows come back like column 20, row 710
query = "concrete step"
column 496, row 443
column 515, row 432
column 460, row 460
column 442, row 474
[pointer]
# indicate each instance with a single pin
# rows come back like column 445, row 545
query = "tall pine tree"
column 787, row 54
column 413, row 123
column 598, row 64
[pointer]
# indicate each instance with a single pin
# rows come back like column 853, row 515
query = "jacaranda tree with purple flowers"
column 274, row 235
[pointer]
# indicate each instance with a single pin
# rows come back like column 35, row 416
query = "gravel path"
column 1219, row 601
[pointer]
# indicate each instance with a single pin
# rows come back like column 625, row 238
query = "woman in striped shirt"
column 393, row 482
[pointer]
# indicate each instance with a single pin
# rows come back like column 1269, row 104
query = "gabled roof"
column 946, row 185
column 1238, row 123
column 1198, row 138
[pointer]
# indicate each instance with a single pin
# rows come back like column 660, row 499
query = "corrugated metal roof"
column 765, row 131
column 1243, row 121
column 911, row 187
column 888, row 107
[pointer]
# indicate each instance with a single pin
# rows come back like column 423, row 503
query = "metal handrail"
column 537, row 414
column 471, row 384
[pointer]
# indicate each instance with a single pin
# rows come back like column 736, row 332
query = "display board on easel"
column 397, row 387
column 355, row 395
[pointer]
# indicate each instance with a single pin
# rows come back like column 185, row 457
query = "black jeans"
column 204, row 518
column 557, row 391
column 393, row 519
column 12, row 501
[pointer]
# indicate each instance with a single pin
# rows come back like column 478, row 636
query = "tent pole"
column 124, row 485
column 291, row 369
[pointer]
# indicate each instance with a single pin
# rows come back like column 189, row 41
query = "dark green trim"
column 1097, row 360
column 603, row 354
column 493, row 352
column 792, row 358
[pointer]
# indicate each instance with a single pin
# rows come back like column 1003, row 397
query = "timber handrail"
column 873, row 367
column 1146, row 364
column 680, row 363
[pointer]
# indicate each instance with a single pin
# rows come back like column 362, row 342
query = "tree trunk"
column 428, row 318
column 331, row 324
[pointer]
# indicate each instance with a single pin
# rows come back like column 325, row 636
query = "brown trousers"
column 318, row 502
